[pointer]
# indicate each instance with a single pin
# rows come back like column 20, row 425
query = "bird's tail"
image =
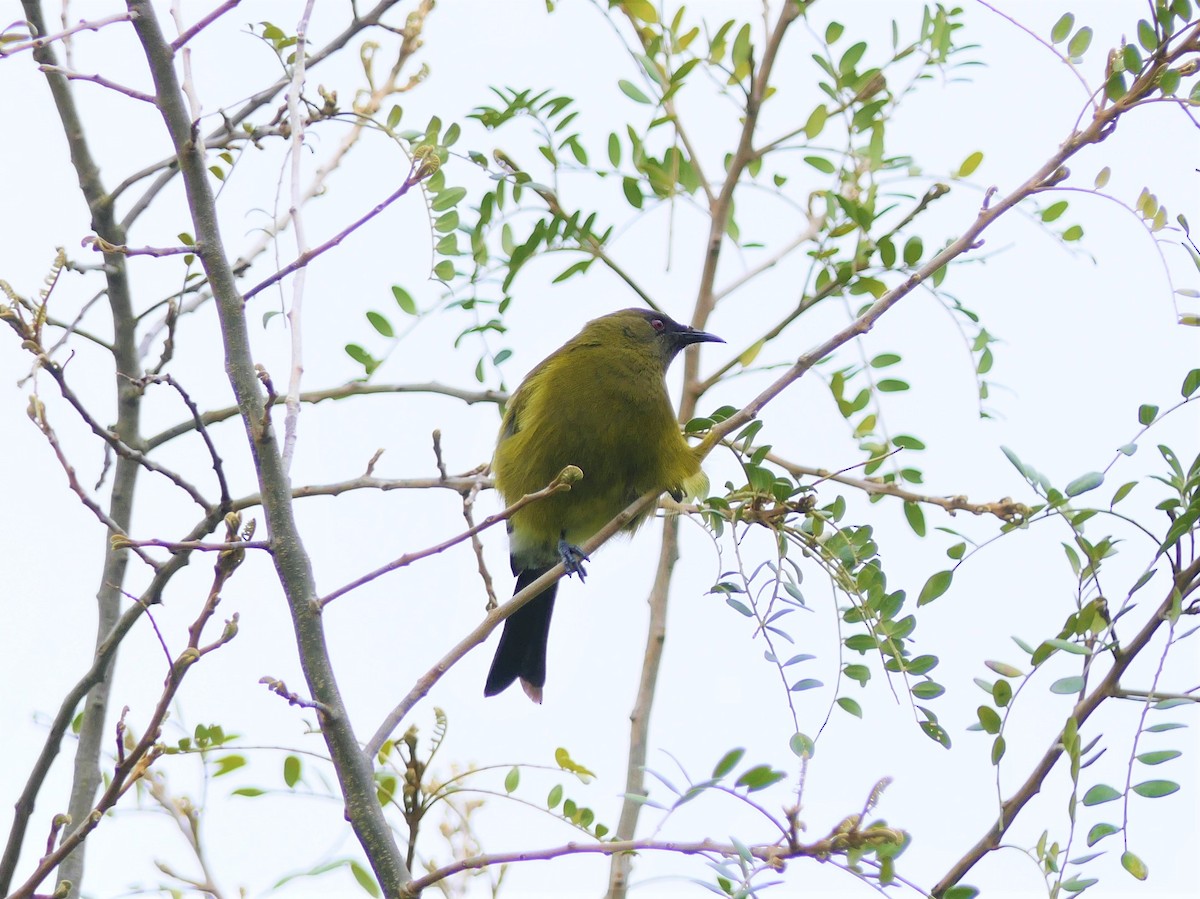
column 522, row 650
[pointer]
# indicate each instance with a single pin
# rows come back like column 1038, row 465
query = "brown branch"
column 1005, row 509
column 136, row 763
column 98, row 79
column 231, row 123
column 354, row 388
column 719, row 211
column 493, row 619
column 419, row 172
column 203, row 23
column 465, row 482
column 37, row 43
column 839, row 841
column 293, row 565
column 563, row 482
column 1106, row 689
column 86, row 779
column 106, row 651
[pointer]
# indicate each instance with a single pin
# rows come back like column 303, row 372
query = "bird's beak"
column 688, row 336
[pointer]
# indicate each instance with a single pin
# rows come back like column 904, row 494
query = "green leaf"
column 1134, row 865
column 447, row 198
column 849, row 705
column 614, row 150
column 1102, row 177
column 808, row 683
column 759, row 778
column 1147, row 413
column 1054, row 211
column 969, row 165
column 821, row 164
column 1080, row 42
column 630, row 90
column 1100, row 831
column 913, row 248
column 1075, row 232
column 937, row 584
column 1067, row 685
column 248, row 791
column 291, row 770
column 1062, row 28
column 989, row 719
column 1165, row 726
column 512, row 780
column 633, row 192
column 1146, row 36
column 915, row 518
column 1154, row 789
column 1191, row 383
column 393, row 118
column 555, row 796
column 1100, row 794
column 1115, row 87
column 365, row 879
column 928, row 690
column 1084, row 483
column 381, row 324
column 444, row 270
column 997, row 750
column 404, row 300
column 1158, row 757
column 960, row 892
column 728, row 763
column 228, row 763
column 816, row 122
column 892, row 385
column 1068, row 646
column 802, row 746
column 883, row 360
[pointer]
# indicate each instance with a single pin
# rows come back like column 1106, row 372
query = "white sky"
column 1085, row 342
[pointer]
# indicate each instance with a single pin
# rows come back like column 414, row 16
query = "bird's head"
column 651, row 331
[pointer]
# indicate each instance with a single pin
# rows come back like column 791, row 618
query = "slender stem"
column 719, row 210
column 86, row 777
column 292, row 562
column 1107, row 688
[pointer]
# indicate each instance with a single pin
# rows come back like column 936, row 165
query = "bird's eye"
column 657, row 325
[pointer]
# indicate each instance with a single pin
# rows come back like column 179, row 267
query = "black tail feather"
column 522, row 650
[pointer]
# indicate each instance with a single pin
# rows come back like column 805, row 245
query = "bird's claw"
column 572, row 558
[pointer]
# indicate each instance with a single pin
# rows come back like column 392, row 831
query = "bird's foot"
column 572, row 558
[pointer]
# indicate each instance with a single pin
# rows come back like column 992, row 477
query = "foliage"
column 777, row 177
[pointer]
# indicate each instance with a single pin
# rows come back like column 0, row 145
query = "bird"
column 600, row 403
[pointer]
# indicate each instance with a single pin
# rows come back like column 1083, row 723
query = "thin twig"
column 492, row 620
column 100, row 80
column 37, row 43
column 344, row 391
column 203, row 23
column 560, row 483
column 295, row 315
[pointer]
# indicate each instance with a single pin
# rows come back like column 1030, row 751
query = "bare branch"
column 37, row 43
column 354, row 388
column 419, row 171
column 563, row 482
column 492, row 619
column 203, row 23
column 295, row 315
column 1005, row 509
column 100, row 80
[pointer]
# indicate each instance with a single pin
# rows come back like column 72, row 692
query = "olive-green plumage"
column 599, row 402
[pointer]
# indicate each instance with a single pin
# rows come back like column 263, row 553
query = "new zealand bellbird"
column 599, row 402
